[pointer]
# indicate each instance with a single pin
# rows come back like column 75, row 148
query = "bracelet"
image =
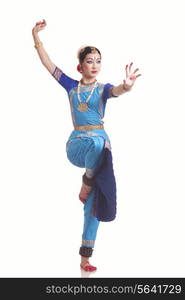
column 37, row 45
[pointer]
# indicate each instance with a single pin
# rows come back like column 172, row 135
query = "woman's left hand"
column 130, row 76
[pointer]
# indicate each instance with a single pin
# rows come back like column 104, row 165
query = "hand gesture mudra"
column 39, row 26
column 131, row 76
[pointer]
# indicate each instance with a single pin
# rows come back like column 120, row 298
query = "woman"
column 87, row 141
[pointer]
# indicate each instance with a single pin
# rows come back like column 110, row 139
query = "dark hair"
column 86, row 51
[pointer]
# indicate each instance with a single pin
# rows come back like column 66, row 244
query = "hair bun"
column 80, row 50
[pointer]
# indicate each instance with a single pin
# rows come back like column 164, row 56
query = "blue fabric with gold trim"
column 105, row 180
column 97, row 104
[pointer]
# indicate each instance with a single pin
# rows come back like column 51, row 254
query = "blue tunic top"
column 105, row 184
column 96, row 104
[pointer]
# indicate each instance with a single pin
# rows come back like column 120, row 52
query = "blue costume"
column 84, row 148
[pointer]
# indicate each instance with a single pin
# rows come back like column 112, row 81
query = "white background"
column 41, row 217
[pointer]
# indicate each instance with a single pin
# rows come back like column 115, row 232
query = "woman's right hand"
column 39, row 26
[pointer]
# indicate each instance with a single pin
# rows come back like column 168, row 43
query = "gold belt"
column 89, row 127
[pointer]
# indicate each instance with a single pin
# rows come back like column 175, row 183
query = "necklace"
column 84, row 106
column 87, row 83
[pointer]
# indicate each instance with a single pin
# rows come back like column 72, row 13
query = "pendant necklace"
column 84, row 106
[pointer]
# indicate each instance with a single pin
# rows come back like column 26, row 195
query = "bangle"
column 37, row 45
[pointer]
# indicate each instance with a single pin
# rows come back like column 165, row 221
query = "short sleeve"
column 107, row 91
column 65, row 81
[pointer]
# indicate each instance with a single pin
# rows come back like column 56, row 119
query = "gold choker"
column 87, row 83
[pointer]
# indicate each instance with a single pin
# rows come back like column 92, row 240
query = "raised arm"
column 44, row 57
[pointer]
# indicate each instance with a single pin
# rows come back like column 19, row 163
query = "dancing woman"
column 85, row 145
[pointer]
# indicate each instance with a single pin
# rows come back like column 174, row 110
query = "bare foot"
column 86, row 266
column 84, row 192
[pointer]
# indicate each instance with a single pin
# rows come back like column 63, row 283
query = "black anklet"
column 86, row 252
column 88, row 181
